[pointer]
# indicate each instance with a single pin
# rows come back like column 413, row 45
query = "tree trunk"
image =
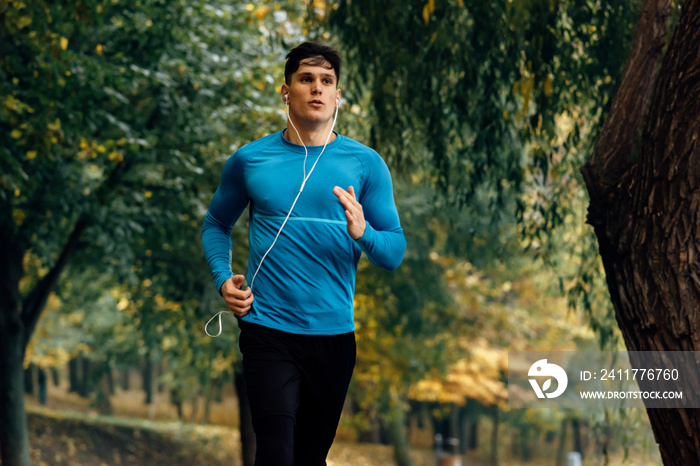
column 248, row 442
column 561, row 448
column 85, row 382
column 55, row 377
column 495, row 440
column 146, row 376
column 103, row 402
column 473, row 434
column 74, row 375
column 29, row 379
column 645, row 205
column 14, row 441
column 578, row 438
column 396, row 424
column 41, row 382
column 18, row 319
column 124, row 378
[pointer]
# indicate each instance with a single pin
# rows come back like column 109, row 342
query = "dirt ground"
column 61, row 438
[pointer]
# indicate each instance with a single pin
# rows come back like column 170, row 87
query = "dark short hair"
column 318, row 53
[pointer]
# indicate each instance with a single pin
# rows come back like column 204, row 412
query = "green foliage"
column 120, row 117
column 491, row 107
column 496, row 105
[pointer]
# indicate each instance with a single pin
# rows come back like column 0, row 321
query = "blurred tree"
column 478, row 94
column 493, row 105
column 115, row 120
column 498, row 103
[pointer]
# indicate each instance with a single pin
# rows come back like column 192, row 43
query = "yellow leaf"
column 148, row 194
column 114, row 155
column 261, row 12
column 250, row 7
column 98, row 49
column 122, row 304
column 55, row 126
column 18, row 216
column 16, row 134
column 64, row 43
column 11, row 102
column 548, row 84
column 31, row 154
column 428, row 10
column 24, row 21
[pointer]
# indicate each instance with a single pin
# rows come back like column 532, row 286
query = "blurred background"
column 116, row 118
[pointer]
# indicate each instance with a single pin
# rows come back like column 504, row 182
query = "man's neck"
column 309, row 137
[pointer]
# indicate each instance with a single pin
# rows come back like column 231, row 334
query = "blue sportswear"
column 306, row 284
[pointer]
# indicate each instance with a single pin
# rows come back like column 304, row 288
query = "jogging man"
column 317, row 201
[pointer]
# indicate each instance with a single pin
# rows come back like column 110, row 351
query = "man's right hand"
column 238, row 300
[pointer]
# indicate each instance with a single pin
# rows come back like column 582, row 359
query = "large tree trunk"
column 18, row 319
column 645, row 205
column 14, row 442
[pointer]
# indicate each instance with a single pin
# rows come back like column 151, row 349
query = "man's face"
column 312, row 94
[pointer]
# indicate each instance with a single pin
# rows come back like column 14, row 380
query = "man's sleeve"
column 383, row 240
column 226, row 206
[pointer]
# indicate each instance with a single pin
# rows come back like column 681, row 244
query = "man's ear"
column 284, row 91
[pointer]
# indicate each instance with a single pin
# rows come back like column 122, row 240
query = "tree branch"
column 35, row 301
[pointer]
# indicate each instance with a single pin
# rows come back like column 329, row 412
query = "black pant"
column 297, row 386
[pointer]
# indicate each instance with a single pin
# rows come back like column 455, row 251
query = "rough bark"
column 14, row 443
column 645, row 205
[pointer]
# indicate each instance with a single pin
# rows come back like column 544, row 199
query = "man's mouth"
column 316, row 102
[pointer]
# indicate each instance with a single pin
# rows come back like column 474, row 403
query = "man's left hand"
column 353, row 211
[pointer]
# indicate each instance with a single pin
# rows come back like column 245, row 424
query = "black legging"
column 297, row 386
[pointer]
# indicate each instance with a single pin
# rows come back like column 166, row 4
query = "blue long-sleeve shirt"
column 306, row 283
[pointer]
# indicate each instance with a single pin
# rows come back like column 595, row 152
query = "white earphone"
column 303, row 181
column 289, row 213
